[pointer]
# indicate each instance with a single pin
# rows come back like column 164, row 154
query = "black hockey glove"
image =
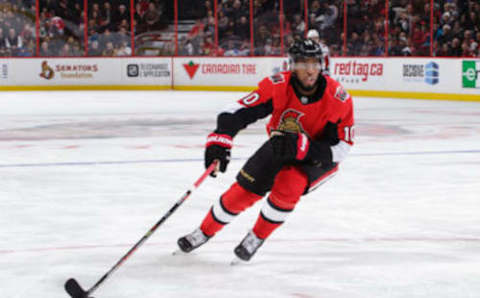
column 320, row 154
column 290, row 146
column 330, row 133
column 218, row 148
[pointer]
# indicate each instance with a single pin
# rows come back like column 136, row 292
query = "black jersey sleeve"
column 250, row 108
column 231, row 122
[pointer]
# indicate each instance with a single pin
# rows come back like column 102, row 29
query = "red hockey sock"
column 287, row 189
column 231, row 203
column 272, row 215
column 263, row 228
column 210, row 226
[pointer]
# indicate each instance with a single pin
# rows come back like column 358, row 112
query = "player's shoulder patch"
column 277, row 78
column 341, row 94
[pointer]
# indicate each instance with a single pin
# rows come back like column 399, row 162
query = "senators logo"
column 47, row 71
column 290, row 121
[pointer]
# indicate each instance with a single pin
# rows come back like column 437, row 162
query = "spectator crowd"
column 17, row 28
column 109, row 28
column 455, row 31
column 66, row 28
column 61, row 28
column 456, row 28
column 275, row 28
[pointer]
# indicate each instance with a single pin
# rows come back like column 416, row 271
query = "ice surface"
column 84, row 175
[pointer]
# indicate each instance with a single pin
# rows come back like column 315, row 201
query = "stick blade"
column 74, row 289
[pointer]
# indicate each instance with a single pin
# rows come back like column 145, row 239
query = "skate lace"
column 251, row 242
column 196, row 237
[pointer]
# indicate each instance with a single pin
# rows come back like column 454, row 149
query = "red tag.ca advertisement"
column 358, row 72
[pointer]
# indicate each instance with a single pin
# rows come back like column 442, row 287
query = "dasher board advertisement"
column 402, row 74
column 199, row 71
column 88, row 71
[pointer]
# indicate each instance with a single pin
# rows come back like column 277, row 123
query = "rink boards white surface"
column 85, row 174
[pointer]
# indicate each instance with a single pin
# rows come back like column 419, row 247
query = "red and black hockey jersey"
column 276, row 96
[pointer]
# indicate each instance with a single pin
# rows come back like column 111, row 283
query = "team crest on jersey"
column 341, row 94
column 290, row 121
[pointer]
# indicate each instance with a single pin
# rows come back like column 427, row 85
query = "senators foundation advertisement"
column 86, row 72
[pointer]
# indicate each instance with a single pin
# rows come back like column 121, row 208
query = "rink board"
column 85, row 73
column 423, row 78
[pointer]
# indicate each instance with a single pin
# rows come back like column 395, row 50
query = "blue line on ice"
column 119, row 162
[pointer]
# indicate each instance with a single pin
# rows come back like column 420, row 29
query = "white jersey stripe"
column 221, row 214
column 273, row 214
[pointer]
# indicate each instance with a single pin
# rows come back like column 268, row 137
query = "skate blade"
column 178, row 252
column 237, row 261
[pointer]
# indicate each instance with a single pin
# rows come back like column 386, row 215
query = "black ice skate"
column 248, row 247
column 192, row 241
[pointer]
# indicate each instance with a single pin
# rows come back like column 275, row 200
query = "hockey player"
column 313, row 35
column 310, row 130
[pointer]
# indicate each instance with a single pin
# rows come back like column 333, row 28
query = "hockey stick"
column 74, row 289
